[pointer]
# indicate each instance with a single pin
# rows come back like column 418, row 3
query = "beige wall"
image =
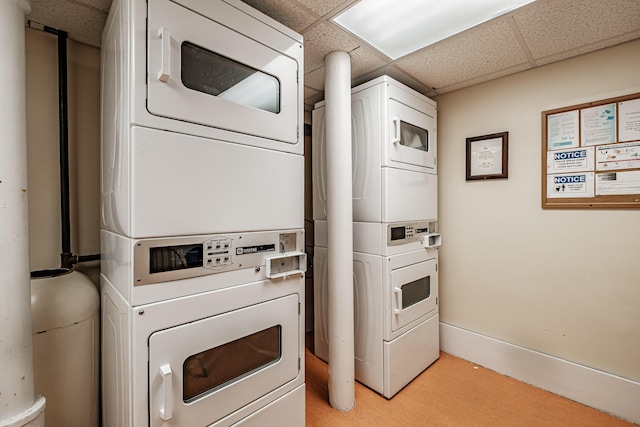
column 563, row 282
column 43, row 148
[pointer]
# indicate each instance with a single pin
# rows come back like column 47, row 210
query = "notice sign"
column 618, row 156
column 615, row 183
column 575, row 160
column 570, row 186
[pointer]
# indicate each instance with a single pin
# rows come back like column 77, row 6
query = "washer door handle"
column 395, row 125
column 166, row 411
column 398, row 300
column 165, row 64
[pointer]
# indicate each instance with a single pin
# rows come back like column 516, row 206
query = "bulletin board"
column 591, row 155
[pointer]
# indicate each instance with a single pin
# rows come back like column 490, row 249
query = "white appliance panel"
column 290, row 407
column 173, row 29
column 401, row 363
column 175, row 356
column 128, row 86
column 183, row 185
column 126, row 263
column 407, row 196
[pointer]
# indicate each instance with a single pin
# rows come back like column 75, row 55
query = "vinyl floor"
column 451, row 392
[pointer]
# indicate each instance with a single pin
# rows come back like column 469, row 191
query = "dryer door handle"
column 395, row 125
column 166, row 411
column 397, row 292
column 165, row 52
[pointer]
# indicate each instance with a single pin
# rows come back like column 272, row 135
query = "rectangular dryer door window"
column 414, row 293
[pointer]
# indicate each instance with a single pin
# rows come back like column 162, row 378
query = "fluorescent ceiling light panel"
column 399, row 27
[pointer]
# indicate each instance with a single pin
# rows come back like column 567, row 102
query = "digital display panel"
column 171, row 258
column 397, row 233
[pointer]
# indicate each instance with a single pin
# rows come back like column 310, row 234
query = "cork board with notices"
column 591, row 155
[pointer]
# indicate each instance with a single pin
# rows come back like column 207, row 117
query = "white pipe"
column 339, row 231
column 18, row 405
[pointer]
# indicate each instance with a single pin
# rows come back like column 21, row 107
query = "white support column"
column 339, row 231
column 18, row 405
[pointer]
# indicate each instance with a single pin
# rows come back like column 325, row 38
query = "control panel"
column 401, row 233
column 281, row 253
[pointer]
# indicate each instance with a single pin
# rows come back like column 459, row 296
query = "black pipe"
column 67, row 258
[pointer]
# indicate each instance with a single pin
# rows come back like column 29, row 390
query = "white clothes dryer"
column 233, row 356
column 201, row 119
column 394, row 158
column 203, row 330
column 396, row 316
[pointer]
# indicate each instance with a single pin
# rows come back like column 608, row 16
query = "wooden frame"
column 589, row 154
column 488, row 157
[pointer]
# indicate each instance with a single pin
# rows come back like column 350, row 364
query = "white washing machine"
column 201, row 120
column 395, row 270
column 394, row 154
column 210, row 331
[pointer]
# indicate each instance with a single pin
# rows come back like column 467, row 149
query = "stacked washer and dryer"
column 395, row 236
column 202, row 227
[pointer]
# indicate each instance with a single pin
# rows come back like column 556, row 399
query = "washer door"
column 412, row 136
column 202, row 371
column 205, row 72
column 414, row 293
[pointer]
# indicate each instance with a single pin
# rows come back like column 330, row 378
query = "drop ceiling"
column 540, row 33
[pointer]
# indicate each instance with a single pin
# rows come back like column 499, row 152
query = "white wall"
column 562, row 282
column 43, row 148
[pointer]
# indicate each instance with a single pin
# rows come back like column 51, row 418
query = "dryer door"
column 202, row 371
column 414, row 293
column 201, row 71
column 412, row 136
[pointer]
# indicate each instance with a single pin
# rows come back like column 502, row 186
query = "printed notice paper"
column 571, row 185
column 615, row 183
column 574, row 160
column 618, row 156
column 562, row 130
column 629, row 120
column 598, row 125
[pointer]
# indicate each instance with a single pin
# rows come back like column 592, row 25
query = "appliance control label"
column 255, row 249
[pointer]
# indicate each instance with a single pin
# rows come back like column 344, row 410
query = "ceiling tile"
column 550, row 27
column 589, row 48
column 322, row 40
column 103, row 5
column 480, row 51
column 480, row 79
column 364, row 60
column 326, row 6
column 82, row 23
column 284, row 12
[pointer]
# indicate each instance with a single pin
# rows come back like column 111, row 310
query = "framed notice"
column 591, row 155
column 488, row 156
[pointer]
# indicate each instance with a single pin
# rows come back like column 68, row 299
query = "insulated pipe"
column 339, row 231
column 18, row 405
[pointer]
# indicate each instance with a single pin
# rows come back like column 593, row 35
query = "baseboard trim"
column 606, row 392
